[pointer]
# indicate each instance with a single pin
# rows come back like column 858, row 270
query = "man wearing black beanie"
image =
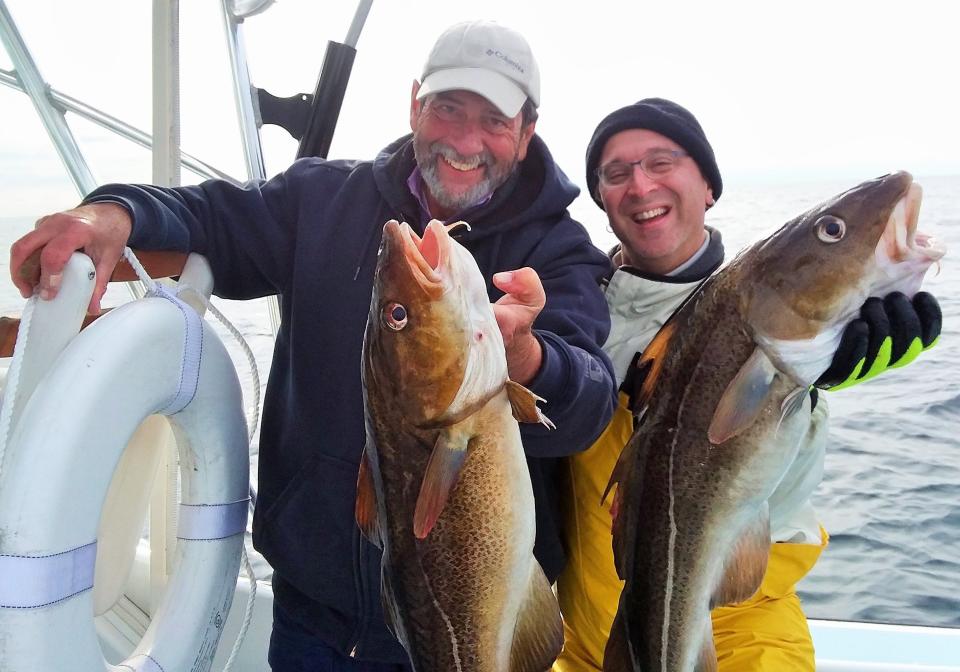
column 652, row 169
column 660, row 116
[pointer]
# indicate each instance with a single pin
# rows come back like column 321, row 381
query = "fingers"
column 26, row 264
column 103, row 269
column 849, row 357
column 105, row 262
column 904, row 324
column 67, row 238
column 522, row 286
column 38, row 258
column 874, row 314
column 890, row 333
column 931, row 317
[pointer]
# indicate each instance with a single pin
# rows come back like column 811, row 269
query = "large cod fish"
column 444, row 487
column 725, row 404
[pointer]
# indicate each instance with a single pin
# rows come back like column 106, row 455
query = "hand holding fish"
column 101, row 230
column 516, row 311
column 890, row 333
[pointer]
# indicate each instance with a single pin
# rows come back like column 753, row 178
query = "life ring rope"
column 13, row 378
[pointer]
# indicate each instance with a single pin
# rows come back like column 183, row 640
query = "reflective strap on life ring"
column 192, row 349
column 206, row 522
column 142, row 663
column 27, row 582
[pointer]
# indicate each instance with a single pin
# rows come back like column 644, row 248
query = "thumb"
column 104, row 267
column 522, row 285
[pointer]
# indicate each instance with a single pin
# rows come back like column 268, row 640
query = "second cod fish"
column 444, row 487
column 726, row 402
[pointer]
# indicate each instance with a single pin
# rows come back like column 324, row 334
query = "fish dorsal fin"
column 365, row 508
column 538, row 636
column 744, row 399
column 650, row 366
column 524, row 405
column 616, row 655
column 747, row 563
column 441, row 475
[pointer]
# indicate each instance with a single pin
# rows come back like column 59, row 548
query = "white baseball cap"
column 486, row 58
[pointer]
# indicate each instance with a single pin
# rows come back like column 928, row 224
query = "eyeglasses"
column 655, row 165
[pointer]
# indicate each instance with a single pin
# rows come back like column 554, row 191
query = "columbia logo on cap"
column 506, row 59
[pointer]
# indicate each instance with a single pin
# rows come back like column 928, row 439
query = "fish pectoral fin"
column 441, row 475
column 747, row 563
column 538, row 635
column 365, row 509
column 792, row 403
column 744, row 398
column 524, row 405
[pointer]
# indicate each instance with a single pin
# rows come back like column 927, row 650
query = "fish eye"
column 395, row 316
column 830, row 229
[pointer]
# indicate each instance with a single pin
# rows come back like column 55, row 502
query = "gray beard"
column 495, row 176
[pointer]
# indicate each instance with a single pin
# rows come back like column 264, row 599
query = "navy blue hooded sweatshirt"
column 311, row 235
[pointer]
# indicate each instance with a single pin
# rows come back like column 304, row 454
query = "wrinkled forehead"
column 633, row 143
column 468, row 100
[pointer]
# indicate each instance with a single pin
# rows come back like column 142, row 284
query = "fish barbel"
column 444, row 487
column 725, row 406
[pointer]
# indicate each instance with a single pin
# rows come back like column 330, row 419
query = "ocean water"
column 890, row 497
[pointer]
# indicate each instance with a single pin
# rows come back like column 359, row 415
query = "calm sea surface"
column 890, row 497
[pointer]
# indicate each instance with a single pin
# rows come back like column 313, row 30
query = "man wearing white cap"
column 311, row 235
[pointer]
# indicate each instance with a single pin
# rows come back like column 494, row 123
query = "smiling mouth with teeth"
column 649, row 214
column 461, row 165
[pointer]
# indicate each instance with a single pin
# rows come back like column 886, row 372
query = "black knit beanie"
column 661, row 116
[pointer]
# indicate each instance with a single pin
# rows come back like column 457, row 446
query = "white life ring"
column 57, row 468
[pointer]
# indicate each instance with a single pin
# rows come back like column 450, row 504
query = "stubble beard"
column 428, row 157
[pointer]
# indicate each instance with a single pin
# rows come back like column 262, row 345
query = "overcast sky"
column 785, row 91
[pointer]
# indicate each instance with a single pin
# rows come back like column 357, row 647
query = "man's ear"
column 710, row 200
column 526, row 134
column 415, row 105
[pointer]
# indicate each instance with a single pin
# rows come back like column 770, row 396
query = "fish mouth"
column 903, row 244
column 424, row 256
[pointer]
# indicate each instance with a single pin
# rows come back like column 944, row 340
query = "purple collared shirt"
column 416, row 187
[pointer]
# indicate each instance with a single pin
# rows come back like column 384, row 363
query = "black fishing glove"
column 890, row 333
